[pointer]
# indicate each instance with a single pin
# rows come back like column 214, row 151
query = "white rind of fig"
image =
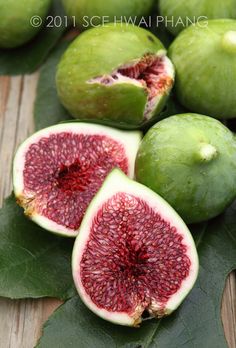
column 129, row 140
column 115, row 183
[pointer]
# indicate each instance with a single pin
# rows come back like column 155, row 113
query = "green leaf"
column 195, row 324
column 33, row 262
column 26, row 59
column 48, row 110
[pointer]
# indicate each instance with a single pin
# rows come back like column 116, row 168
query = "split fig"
column 116, row 72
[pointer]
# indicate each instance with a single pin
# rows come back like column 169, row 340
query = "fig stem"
column 229, row 41
column 207, row 152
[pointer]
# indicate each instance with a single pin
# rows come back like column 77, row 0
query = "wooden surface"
column 21, row 321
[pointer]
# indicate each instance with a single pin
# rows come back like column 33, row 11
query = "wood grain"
column 21, row 321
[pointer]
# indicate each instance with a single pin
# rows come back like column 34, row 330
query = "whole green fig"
column 21, row 20
column 190, row 160
column 204, row 58
column 182, row 13
column 93, row 12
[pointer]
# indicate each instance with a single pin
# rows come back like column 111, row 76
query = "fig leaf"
column 33, row 263
column 197, row 323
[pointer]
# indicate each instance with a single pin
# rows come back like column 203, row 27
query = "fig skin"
column 98, row 52
column 190, row 160
column 193, row 10
column 15, row 16
column 204, row 58
column 114, row 9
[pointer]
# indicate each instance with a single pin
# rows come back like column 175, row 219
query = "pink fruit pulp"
column 133, row 257
column 150, row 72
column 64, row 171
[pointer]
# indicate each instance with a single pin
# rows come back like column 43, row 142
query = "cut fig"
column 117, row 73
column 59, row 169
column 134, row 255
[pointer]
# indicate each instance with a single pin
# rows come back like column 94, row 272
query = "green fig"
column 93, row 12
column 116, row 72
column 190, row 160
column 204, row 58
column 21, row 20
column 182, row 13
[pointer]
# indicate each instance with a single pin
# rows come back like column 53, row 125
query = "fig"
column 59, row 169
column 20, row 20
column 94, row 12
column 204, row 58
column 134, row 256
column 115, row 73
column 190, row 160
column 182, row 13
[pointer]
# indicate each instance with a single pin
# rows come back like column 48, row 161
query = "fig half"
column 59, row 169
column 134, row 255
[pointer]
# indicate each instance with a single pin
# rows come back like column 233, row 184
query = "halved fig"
column 134, row 255
column 117, row 72
column 59, row 169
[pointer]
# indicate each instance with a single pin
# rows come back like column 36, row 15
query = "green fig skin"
column 94, row 12
column 15, row 16
column 98, row 52
column 190, row 160
column 190, row 11
column 204, row 59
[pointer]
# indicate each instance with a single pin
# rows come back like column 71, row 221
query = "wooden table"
column 21, row 321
